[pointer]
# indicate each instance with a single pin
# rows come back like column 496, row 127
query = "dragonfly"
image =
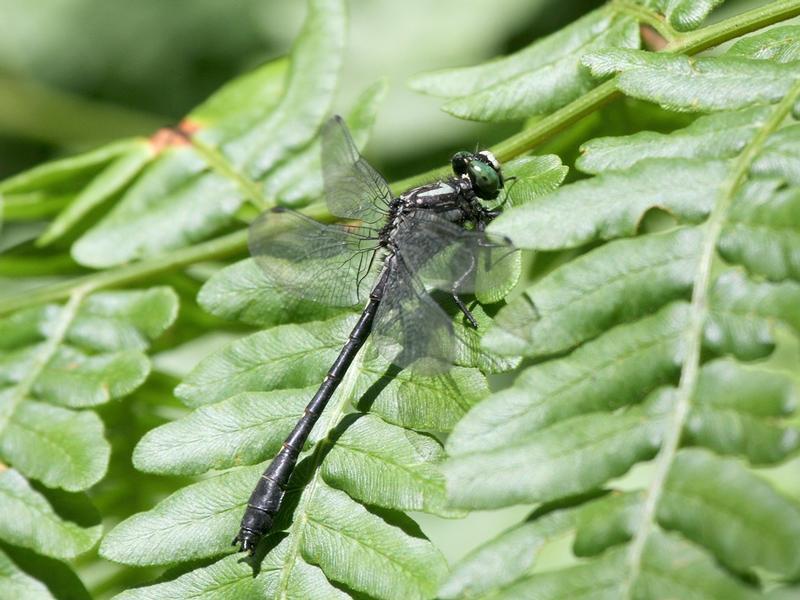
column 398, row 255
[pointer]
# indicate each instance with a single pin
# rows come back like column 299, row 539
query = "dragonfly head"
column 483, row 171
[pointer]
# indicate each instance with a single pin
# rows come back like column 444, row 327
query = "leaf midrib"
column 459, row 399
column 389, row 558
column 45, row 437
column 719, row 505
column 585, row 292
column 699, row 313
column 43, row 356
column 586, row 373
column 259, row 363
column 413, row 470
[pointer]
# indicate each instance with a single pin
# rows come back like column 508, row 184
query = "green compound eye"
column 484, row 178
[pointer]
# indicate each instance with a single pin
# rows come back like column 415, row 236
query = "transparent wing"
column 433, row 259
column 353, row 189
column 448, row 257
column 413, row 330
column 330, row 264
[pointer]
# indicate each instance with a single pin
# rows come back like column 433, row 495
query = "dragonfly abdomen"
column 266, row 499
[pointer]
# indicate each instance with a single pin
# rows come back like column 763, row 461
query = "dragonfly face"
column 483, row 171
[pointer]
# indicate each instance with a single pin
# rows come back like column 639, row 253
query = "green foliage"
column 695, row 84
column 17, row 583
column 181, row 194
column 249, row 394
column 54, row 361
column 536, row 80
column 650, row 334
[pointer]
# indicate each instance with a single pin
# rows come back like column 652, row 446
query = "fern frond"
column 187, row 184
column 642, row 347
column 56, row 361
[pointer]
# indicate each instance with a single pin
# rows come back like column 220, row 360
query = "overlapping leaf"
column 172, row 190
column 642, row 346
column 239, row 422
column 17, row 583
column 182, row 198
column 54, row 359
column 299, row 180
column 536, row 80
column 65, row 185
column 606, row 332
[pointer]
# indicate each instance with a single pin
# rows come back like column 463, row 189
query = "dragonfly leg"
column 465, row 310
column 459, row 302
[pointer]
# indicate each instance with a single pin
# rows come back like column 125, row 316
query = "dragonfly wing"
column 329, row 264
column 353, row 189
column 412, row 330
column 448, row 257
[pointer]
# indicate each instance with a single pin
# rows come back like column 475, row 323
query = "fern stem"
column 213, row 249
column 747, row 22
column 556, row 122
column 221, row 247
column 512, row 147
column 692, row 43
column 694, row 334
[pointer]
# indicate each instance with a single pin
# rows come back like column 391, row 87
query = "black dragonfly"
column 427, row 242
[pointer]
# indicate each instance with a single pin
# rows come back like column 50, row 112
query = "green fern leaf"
column 16, row 583
column 536, row 80
column 352, row 455
column 235, row 576
column 588, row 211
column 683, row 15
column 299, row 180
column 779, row 44
column 650, row 416
column 717, row 135
column 641, row 346
column 28, row 520
column 53, row 361
column 44, row 191
column 677, row 82
column 241, row 292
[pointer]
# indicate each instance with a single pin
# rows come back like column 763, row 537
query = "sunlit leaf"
column 536, row 80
